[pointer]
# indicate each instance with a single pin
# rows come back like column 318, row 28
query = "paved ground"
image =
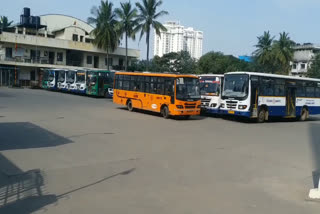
column 62, row 153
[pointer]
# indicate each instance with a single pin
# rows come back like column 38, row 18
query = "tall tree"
column 314, row 70
column 264, row 54
column 283, row 51
column 4, row 23
column 105, row 33
column 147, row 19
column 127, row 24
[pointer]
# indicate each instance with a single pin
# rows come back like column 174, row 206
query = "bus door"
column 291, row 101
column 100, row 81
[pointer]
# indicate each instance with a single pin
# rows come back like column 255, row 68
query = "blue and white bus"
column 210, row 88
column 260, row 96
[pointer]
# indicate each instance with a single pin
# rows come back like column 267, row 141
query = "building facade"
column 302, row 59
column 54, row 41
column 178, row 38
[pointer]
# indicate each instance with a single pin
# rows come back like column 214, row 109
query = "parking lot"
column 62, row 153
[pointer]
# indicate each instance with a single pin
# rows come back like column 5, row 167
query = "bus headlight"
column 213, row 105
column 242, row 107
column 222, row 105
column 180, row 106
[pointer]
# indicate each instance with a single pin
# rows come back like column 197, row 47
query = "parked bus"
column 99, row 83
column 70, row 80
column 168, row 94
column 62, row 80
column 210, row 89
column 80, row 83
column 260, row 96
column 53, row 79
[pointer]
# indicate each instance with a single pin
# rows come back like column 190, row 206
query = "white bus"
column 62, row 80
column 80, row 83
column 260, row 96
column 210, row 88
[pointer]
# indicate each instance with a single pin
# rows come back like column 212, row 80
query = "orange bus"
column 169, row 94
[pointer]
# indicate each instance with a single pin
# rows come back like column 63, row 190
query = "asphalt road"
column 62, row 153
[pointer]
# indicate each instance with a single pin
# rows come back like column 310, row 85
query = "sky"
column 229, row 26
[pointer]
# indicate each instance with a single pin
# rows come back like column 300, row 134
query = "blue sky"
column 230, row 26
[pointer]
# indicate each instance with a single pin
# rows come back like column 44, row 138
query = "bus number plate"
column 231, row 112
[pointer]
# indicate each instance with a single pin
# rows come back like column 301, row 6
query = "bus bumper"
column 178, row 112
column 236, row 113
column 213, row 110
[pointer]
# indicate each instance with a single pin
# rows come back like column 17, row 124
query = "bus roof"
column 273, row 75
column 210, row 75
column 157, row 74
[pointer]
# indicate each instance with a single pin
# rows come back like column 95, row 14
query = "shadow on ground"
column 25, row 135
column 21, row 192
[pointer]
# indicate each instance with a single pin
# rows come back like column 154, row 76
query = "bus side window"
column 168, row 86
column 317, row 92
column 279, row 90
column 126, row 82
column 310, row 91
column 147, row 85
column 301, row 92
column 120, row 82
column 140, row 82
column 153, row 85
column 160, row 85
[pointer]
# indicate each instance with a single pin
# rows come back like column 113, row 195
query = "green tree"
column 283, row 52
column 314, row 70
column 4, row 23
column 218, row 63
column 264, row 54
column 105, row 33
column 147, row 17
column 127, row 24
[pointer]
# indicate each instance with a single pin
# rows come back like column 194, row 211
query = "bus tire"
column 165, row 112
column 304, row 114
column 129, row 105
column 261, row 115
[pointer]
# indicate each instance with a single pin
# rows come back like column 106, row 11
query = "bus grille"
column 231, row 104
column 190, row 106
column 205, row 102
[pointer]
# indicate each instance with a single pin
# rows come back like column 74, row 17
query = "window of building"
column 60, row 56
column 294, row 66
column 8, row 52
column 88, row 40
column 75, row 37
column 303, row 66
column 89, row 60
column 81, row 38
column 110, row 61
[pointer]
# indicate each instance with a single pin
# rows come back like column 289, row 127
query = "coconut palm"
column 126, row 24
column 105, row 34
column 147, row 17
column 4, row 23
column 283, row 51
column 263, row 53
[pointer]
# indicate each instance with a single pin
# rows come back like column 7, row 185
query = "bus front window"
column 45, row 76
column 51, row 76
column 81, row 77
column 188, row 89
column 236, row 86
column 70, row 76
column 209, row 87
column 61, row 76
column 91, row 79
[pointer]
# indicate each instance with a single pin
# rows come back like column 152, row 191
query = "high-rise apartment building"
column 178, row 38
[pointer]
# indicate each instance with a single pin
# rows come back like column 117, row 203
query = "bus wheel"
column 129, row 105
column 165, row 112
column 261, row 116
column 304, row 114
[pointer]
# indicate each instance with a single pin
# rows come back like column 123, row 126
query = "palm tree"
column 263, row 53
column 105, row 34
column 127, row 24
column 4, row 23
column 147, row 19
column 283, row 51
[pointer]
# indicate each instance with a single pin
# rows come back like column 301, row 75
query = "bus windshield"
column 188, row 89
column 70, row 76
column 209, row 85
column 61, row 76
column 235, row 86
column 92, row 79
column 81, row 77
column 51, row 76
